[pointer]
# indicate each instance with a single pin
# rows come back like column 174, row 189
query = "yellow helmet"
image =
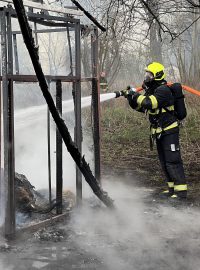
column 157, row 70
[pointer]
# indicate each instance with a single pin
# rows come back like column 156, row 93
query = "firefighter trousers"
column 170, row 158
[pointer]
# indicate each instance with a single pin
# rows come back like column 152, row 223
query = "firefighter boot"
column 170, row 191
column 180, row 191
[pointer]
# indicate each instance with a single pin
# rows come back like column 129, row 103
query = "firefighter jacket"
column 103, row 84
column 158, row 103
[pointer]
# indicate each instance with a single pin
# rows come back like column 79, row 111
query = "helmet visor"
column 148, row 76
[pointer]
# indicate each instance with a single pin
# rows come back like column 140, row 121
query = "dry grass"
column 125, row 141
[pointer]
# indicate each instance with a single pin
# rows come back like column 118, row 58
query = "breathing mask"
column 148, row 78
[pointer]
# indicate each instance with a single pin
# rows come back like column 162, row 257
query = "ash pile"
column 33, row 206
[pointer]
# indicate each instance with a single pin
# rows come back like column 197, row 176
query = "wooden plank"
column 42, row 224
column 51, row 8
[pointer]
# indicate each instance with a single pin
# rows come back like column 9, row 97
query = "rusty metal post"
column 8, row 124
column 59, row 169
column 78, row 127
column 16, row 53
column 96, row 104
column 10, row 44
column 0, row 145
column 1, row 139
column 36, row 35
column 10, row 209
column 2, row 208
column 49, row 148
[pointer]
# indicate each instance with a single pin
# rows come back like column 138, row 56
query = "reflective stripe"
column 159, row 129
column 170, row 184
column 170, row 108
column 154, row 102
column 174, row 196
column 153, row 131
column 140, row 99
column 180, row 187
column 175, row 124
column 103, row 84
column 157, row 111
column 138, row 107
column 165, row 192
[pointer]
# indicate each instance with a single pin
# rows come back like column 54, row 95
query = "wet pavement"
column 142, row 233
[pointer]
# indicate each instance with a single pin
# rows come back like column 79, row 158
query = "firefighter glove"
column 124, row 93
column 131, row 90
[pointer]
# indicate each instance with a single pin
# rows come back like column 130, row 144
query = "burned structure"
column 66, row 21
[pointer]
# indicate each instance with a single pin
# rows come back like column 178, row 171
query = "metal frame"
column 8, row 123
column 59, row 152
column 8, row 42
column 78, row 127
column 96, row 104
column 38, row 6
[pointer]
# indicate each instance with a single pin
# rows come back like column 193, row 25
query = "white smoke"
column 140, row 234
column 31, row 143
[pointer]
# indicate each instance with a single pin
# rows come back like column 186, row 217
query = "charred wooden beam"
column 89, row 16
column 71, row 147
column 42, row 224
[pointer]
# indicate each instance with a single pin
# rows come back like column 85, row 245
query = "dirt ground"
column 125, row 145
column 145, row 164
column 143, row 232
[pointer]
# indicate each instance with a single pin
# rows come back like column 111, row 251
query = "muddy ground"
column 144, row 232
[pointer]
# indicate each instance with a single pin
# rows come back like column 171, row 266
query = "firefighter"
column 103, row 82
column 158, row 102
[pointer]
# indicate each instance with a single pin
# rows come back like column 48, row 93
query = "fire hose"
column 138, row 89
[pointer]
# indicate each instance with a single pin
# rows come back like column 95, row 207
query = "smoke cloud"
column 141, row 234
column 31, row 143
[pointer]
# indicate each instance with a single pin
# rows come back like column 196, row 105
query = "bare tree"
column 166, row 31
